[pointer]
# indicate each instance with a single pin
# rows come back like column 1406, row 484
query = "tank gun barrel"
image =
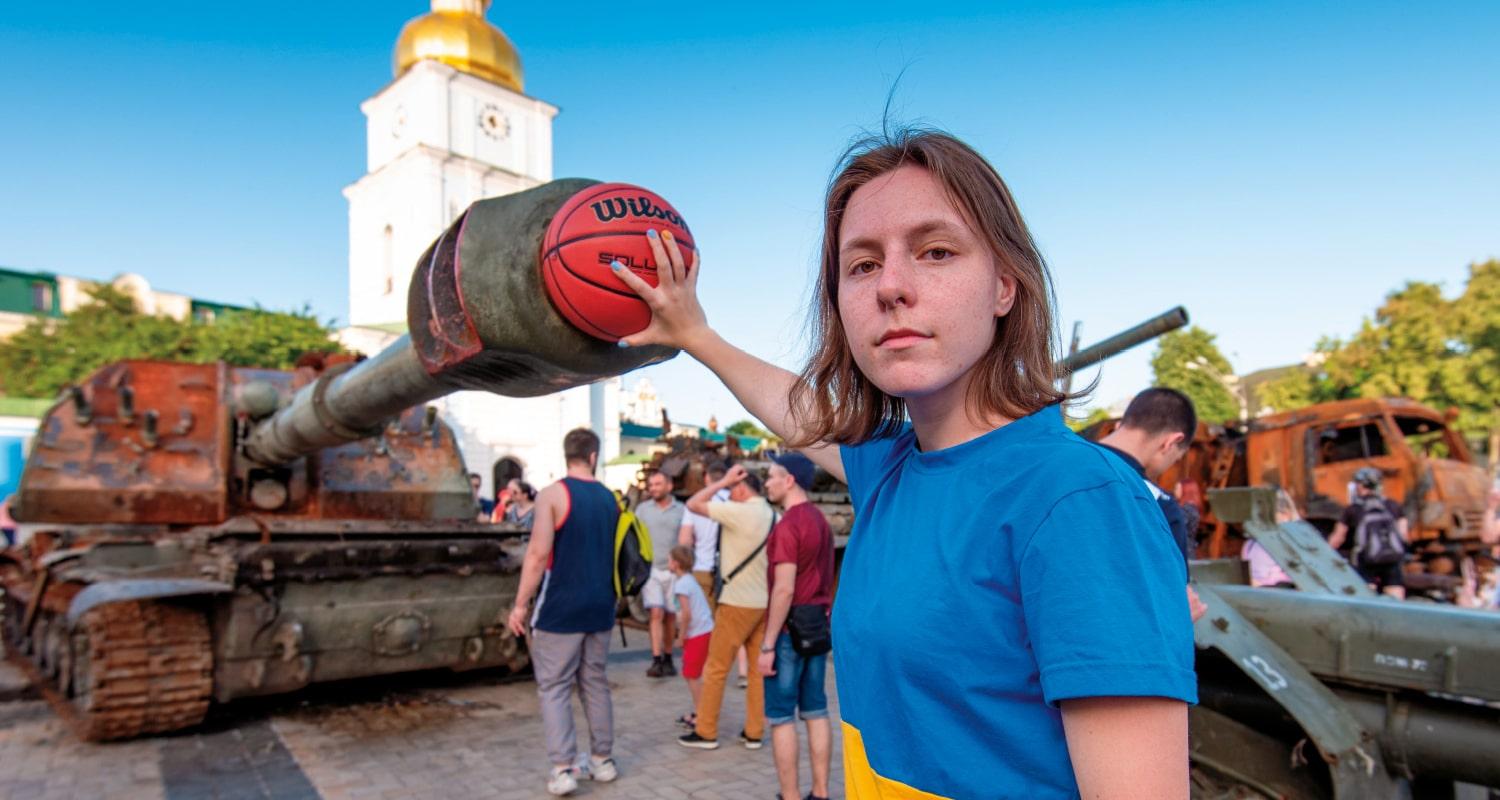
column 1120, row 342
column 477, row 318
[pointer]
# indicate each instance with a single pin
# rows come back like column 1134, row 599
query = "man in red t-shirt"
column 800, row 573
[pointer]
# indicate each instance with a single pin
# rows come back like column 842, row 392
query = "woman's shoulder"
column 877, row 452
column 1060, row 457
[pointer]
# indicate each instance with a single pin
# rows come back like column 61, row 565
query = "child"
column 694, row 623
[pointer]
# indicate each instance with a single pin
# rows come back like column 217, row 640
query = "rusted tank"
column 1313, row 452
column 205, row 533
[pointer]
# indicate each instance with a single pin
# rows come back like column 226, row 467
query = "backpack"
column 632, row 553
column 1377, row 540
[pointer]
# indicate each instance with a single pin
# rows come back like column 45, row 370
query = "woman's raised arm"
column 677, row 320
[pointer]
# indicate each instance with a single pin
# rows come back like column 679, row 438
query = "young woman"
column 1010, row 620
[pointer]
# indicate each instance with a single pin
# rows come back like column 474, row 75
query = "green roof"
column 24, row 406
column 628, row 458
column 638, row 431
column 747, row 443
column 218, row 308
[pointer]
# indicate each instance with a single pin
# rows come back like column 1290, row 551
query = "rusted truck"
column 205, row 533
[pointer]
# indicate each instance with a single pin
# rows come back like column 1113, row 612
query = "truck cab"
column 1313, row 453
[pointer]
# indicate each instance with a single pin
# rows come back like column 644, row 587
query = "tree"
column 47, row 354
column 1191, row 363
column 1083, row 423
column 747, row 427
column 1443, row 353
column 1473, row 381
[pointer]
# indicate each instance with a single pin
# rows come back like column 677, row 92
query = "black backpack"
column 1377, row 540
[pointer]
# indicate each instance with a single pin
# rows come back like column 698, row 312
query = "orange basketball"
column 603, row 223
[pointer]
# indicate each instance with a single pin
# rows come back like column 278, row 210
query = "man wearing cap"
column 800, row 573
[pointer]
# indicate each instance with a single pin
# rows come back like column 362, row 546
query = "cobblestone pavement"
column 433, row 735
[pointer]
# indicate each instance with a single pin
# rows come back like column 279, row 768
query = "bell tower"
column 452, row 127
column 455, row 126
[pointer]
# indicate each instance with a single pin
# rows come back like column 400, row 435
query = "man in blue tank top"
column 569, row 568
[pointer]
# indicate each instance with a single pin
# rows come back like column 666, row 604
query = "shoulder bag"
column 809, row 629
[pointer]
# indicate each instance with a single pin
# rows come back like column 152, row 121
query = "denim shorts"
column 797, row 687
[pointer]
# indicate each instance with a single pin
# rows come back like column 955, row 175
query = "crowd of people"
column 741, row 566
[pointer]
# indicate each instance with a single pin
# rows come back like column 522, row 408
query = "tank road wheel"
column 140, row 667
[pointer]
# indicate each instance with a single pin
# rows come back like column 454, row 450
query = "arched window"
column 388, row 260
column 505, row 469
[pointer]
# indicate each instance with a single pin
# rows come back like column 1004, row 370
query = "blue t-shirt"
column 982, row 585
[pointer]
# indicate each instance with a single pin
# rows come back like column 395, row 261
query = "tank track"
column 128, row 669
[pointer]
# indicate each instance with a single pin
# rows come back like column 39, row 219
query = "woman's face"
column 514, row 487
column 919, row 291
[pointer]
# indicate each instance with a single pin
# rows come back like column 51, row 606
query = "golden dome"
column 457, row 34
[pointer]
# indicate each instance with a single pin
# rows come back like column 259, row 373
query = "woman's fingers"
column 692, row 274
column 674, row 254
column 664, row 275
column 675, row 312
column 636, row 283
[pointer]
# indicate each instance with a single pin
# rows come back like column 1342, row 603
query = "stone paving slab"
column 429, row 736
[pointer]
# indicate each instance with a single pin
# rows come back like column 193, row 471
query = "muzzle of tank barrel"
column 480, row 318
column 477, row 317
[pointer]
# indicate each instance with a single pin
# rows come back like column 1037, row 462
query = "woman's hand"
column 677, row 319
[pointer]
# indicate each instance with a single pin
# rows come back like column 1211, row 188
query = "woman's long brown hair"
column 834, row 401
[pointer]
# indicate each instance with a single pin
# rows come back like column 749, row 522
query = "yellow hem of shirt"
column 861, row 782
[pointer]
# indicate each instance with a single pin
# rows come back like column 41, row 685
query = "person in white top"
column 701, row 533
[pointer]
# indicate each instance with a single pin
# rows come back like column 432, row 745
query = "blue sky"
column 1275, row 167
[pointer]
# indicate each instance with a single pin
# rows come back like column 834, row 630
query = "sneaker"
column 602, row 769
column 811, row 796
column 695, row 741
column 668, row 669
column 562, row 781
column 657, row 669
column 744, row 683
column 750, row 744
